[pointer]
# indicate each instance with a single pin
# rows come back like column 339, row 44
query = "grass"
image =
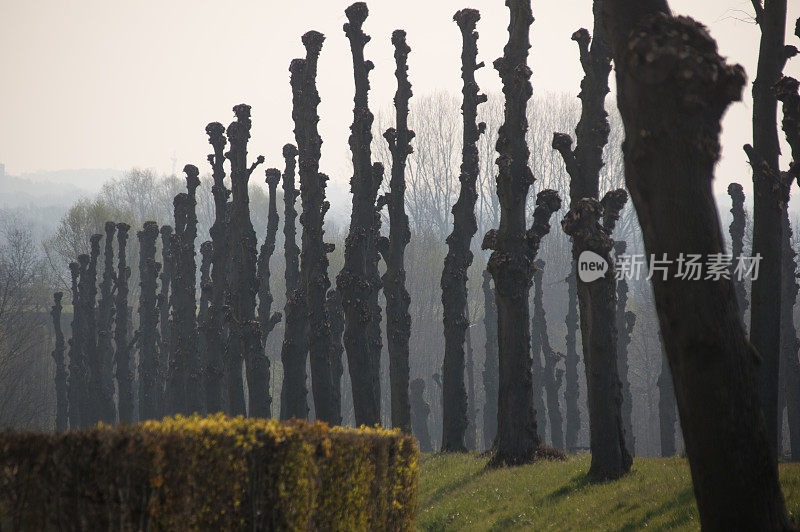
column 458, row 492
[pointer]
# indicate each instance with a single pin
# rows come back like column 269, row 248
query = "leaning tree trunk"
column 215, row 384
column 625, row 320
column 244, row 341
column 77, row 364
column 294, row 396
column 314, row 257
column 398, row 319
column 667, row 416
column 514, row 248
column 62, row 414
column 537, row 353
column 677, row 102
column 105, row 322
column 147, row 335
column 737, row 229
column 87, row 287
column 490, row 364
column 122, row 354
column 459, row 256
column 787, row 92
column 164, row 325
column 266, row 318
column 571, row 362
column 184, row 383
column 765, row 293
column 358, row 281
column 420, row 409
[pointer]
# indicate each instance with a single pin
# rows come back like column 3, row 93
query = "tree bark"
column 335, row 314
column 149, row 374
column 398, row 319
column 164, row 325
column 490, row 364
column 671, row 109
column 551, row 377
column 420, row 409
column 294, row 400
column 359, row 282
column 77, row 365
column 459, row 256
column 122, row 355
column 203, row 319
column 571, row 362
column 626, row 320
column 62, row 403
column 87, row 287
column 537, row 352
column 215, row 382
column 667, row 416
column 244, row 340
column 105, row 321
column 737, row 228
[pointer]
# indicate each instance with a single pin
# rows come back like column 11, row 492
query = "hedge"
column 209, row 473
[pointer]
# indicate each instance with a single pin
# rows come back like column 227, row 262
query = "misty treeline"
column 451, row 303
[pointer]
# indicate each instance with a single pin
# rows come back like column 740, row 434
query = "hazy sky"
column 110, row 84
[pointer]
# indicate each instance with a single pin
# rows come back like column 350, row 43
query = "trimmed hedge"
column 209, row 473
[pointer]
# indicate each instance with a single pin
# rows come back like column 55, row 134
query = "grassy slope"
column 457, row 492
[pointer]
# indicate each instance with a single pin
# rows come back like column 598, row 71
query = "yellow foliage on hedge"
column 209, row 473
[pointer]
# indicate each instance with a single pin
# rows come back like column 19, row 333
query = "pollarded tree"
column 667, row 416
column 62, row 401
column 294, row 396
column 737, row 229
column 420, row 409
column 314, row 256
column 335, row 313
column 459, row 256
column 537, row 352
column 671, row 109
column 206, row 292
column 165, row 343
column 571, row 362
column 550, row 377
column 215, row 382
column 244, row 341
column 358, row 282
column 147, row 335
column 87, row 287
column 122, row 353
column 105, row 323
column 398, row 319
column 625, row 320
column 490, row 364
column 77, row 365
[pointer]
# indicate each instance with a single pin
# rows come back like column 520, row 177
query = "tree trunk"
column 419, row 416
column 358, row 282
column 335, row 314
column 765, row 294
column 537, row 353
column 490, row 364
column 105, row 321
column 294, row 400
column 571, row 362
column 666, row 410
column 266, row 318
column 551, row 377
column 597, row 300
column 149, row 374
column 164, row 325
column 77, row 364
column 737, row 229
column 203, row 320
column 122, row 355
column 625, row 320
column 244, row 340
column 215, row 382
column 671, row 110
column 62, row 419
column 87, row 287
column 398, row 320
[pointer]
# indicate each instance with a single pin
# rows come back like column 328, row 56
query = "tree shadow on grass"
column 453, row 485
column 684, row 498
column 575, row 484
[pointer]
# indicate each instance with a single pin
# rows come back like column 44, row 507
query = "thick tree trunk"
column 398, row 319
column 459, row 256
column 765, row 294
column 77, row 365
column 215, row 382
column 597, row 300
column 314, row 258
column 149, row 374
column 164, row 325
column 625, row 320
column 737, row 228
column 244, row 341
column 571, row 363
column 87, row 287
column 266, row 318
column 359, row 282
column 490, row 364
column 105, row 321
column 294, row 351
column 537, row 352
column 62, row 402
column 471, row 435
column 335, row 314
column 420, row 410
column 671, row 109
column 667, row 416
column 122, row 355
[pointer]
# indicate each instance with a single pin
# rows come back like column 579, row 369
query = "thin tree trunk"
column 335, row 314
column 667, row 416
column 490, row 364
column 459, row 255
column 571, row 363
column 164, row 325
column 122, row 355
column 625, row 320
column 244, row 340
column 215, row 382
column 294, row 396
column 77, row 364
column 62, row 404
column 149, row 374
column 737, row 228
column 203, row 317
column 420, row 410
column 87, row 286
column 358, row 282
column 537, row 352
column 671, row 110
column 551, row 377
column 105, row 320
column 398, row 319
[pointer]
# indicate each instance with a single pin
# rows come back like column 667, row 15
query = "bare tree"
column 737, row 229
column 490, row 365
column 62, row 420
column 122, row 354
column 146, row 336
column 105, row 322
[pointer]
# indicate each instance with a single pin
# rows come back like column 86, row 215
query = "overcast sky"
column 109, row 84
